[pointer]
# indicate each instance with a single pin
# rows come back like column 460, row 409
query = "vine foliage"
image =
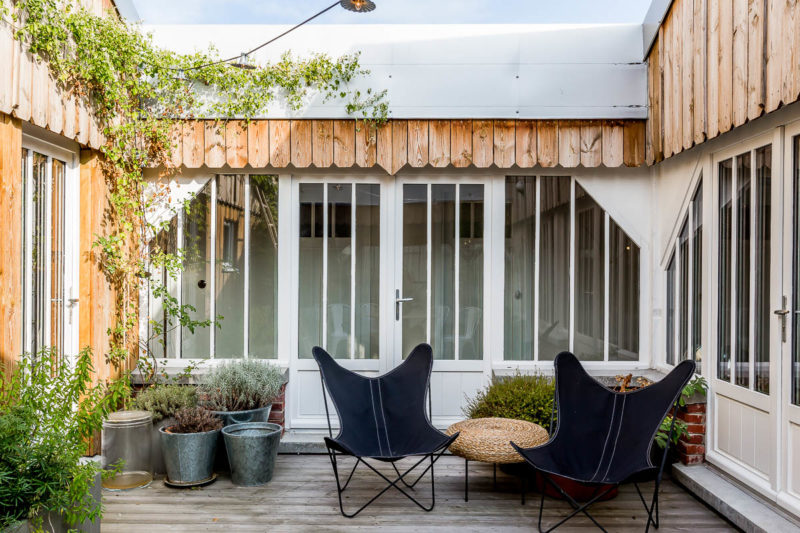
column 138, row 92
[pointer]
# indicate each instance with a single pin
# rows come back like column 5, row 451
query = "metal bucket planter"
column 252, row 448
column 155, row 447
column 189, row 457
column 236, row 417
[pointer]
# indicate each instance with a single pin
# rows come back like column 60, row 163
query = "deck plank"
column 302, row 497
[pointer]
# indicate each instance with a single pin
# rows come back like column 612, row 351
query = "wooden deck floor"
column 302, row 497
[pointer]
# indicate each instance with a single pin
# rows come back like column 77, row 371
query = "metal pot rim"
column 268, row 427
column 163, row 430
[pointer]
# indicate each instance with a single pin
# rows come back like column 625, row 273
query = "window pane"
column 697, row 276
column 160, row 322
column 589, row 277
column 415, row 265
column 263, row 319
column 57, row 257
column 762, row 266
column 229, row 268
column 623, row 305
column 683, row 296
column 310, row 266
column 368, row 237
column 671, row 311
column 38, row 253
column 520, row 290
column 724, row 261
column 195, row 285
column 743, row 225
column 443, row 271
column 470, row 272
column 795, row 386
column 339, row 268
column 554, row 267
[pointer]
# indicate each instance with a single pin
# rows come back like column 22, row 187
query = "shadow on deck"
column 302, row 497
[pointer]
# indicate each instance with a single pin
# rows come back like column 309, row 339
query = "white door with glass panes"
column 50, row 202
column 745, row 331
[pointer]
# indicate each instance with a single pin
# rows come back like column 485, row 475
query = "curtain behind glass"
column 554, row 267
column 520, row 288
column 310, row 293
column 443, row 271
column 340, row 249
column 470, row 272
column 367, row 287
column 263, row 319
column 195, row 287
column 589, row 277
column 229, row 267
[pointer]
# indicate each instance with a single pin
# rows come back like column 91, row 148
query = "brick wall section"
column 692, row 447
column 278, row 413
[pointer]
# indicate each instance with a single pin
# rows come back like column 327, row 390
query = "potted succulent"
column 189, row 447
column 163, row 401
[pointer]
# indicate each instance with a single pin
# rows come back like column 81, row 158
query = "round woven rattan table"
column 488, row 440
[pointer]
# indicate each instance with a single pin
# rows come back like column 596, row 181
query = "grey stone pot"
column 189, row 457
column 157, row 454
column 236, row 417
column 252, row 448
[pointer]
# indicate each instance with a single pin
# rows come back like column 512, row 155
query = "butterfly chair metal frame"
column 335, row 449
column 678, row 378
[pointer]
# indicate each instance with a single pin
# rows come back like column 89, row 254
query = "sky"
column 393, row 12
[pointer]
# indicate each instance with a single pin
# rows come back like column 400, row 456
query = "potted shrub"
column 238, row 392
column 49, row 411
column 163, row 401
column 190, row 445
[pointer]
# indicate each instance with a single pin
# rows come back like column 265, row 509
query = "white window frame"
column 71, row 243
column 499, row 279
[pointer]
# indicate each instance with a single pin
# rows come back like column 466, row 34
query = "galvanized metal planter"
column 156, row 452
column 236, row 417
column 189, row 457
column 252, row 448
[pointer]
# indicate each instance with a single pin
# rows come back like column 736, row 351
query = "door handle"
column 782, row 313
column 398, row 301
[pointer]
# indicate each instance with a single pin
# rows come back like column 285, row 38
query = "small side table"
column 488, row 440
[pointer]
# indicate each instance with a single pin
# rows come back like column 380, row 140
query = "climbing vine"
column 138, row 91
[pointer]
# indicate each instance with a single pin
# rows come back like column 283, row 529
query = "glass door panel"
column 442, row 269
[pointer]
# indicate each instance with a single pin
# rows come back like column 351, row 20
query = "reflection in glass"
column 443, row 271
column 554, row 266
column 470, row 272
column 159, row 324
column 38, row 253
column 310, row 266
column 339, row 267
column 57, row 256
column 263, row 271
column 368, row 236
column 724, row 261
column 229, row 267
column 697, row 277
column 623, row 305
column 762, row 233
column 520, row 289
column 743, row 225
column 671, row 311
column 196, row 285
column 795, row 316
column 415, row 265
column 589, row 277
column 683, row 296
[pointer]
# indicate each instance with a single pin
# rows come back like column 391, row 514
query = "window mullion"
column 178, row 332
column 690, row 282
column 324, row 298
column 536, row 253
column 572, row 264
column 429, row 236
column 246, row 284
column 212, row 282
column 457, row 269
column 606, row 278
column 752, row 252
column 353, row 271
column 732, row 259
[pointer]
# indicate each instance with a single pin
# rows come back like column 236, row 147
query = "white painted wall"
column 458, row 71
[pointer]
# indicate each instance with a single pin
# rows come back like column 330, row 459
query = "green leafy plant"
column 521, row 396
column 49, row 411
column 164, row 401
column 195, row 420
column 240, row 386
column 698, row 385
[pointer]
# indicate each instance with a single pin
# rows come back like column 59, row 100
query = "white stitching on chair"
column 383, row 415
column 375, row 417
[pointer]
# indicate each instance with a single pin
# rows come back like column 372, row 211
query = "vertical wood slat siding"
column 418, row 143
column 366, row 145
column 525, row 141
column 279, row 141
column 732, row 62
column 301, row 139
column 344, row 143
column 11, row 223
column 504, row 143
column 439, row 143
column 482, row 143
column 236, row 144
column 547, row 143
column 322, row 143
column 214, row 136
column 258, row 143
column 461, row 143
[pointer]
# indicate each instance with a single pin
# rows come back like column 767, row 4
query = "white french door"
column 747, row 336
column 441, row 284
column 50, row 224
column 383, row 264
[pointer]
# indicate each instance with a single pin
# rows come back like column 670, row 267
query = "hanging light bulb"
column 359, row 6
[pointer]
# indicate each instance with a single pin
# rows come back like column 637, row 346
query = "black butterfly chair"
column 604, row 437
column 382, row 418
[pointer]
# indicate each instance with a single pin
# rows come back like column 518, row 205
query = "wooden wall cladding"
column 11, row 224
column 410, row 144
column 717, row 64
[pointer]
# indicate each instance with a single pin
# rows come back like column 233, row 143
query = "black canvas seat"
column 383, row 418
column 603, row 437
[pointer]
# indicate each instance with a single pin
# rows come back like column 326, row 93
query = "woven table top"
column 488, row 439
